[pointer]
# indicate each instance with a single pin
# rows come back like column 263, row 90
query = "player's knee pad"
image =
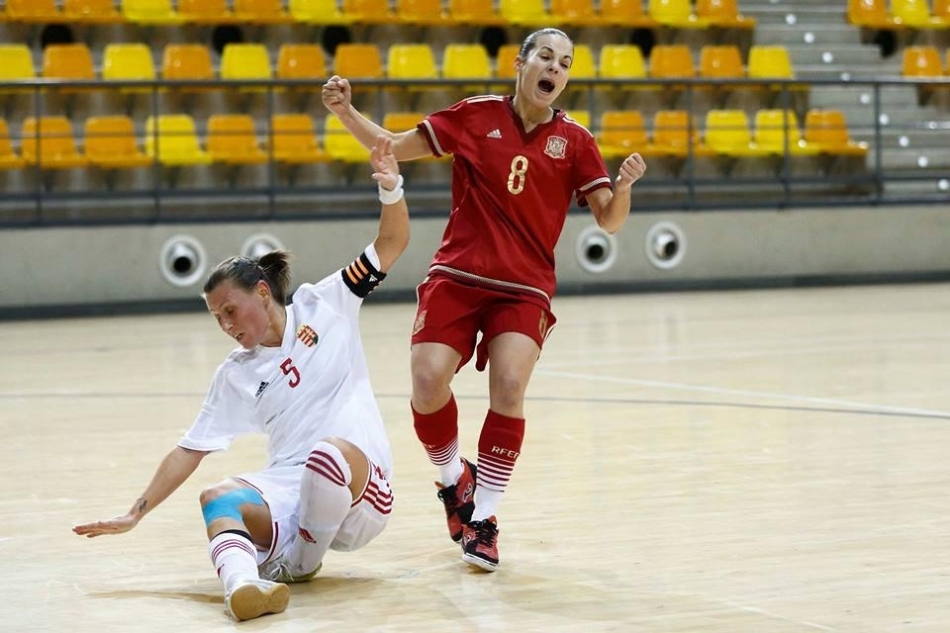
column 228, row 505
column 326, row 465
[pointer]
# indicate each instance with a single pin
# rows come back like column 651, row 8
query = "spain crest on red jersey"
column 306, row 334
column 556, row 147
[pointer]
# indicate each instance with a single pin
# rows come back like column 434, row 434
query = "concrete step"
column 816, row 35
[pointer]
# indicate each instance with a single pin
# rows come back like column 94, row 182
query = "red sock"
column 439, row 433
column 498, row 448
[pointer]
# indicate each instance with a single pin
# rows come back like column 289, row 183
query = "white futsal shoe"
column 255, row 598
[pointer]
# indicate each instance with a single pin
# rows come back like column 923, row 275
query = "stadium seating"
column 626, row 13
column 246, row 62
column 92, row 12
column 324, row 12
column 423, row 13
column 49, row 142
column 340, row 144
column 110, row 143
column 16, row 63
column 233, row 140
column 358, row 61
column 9, row 159
column 150, row 12
column 206, row 12
column 188, row 62
column 828, row 131
column 475, row 12
column 872, row 14
column 293, row 140
column 622, row 132
column 675, row 14
column 723, row 14
column 33, row 11
column 728, row 133
column 778, row 132
column 68, row 62
column 261, row 12
column 916, row 14
column 526, row 13
column 302, row 62
column 172, row 139
column 128, row 62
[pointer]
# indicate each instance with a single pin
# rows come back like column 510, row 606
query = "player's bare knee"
column 507, row 390
column 211, row 493
column 429, row 385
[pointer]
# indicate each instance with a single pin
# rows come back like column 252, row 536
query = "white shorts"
column 280, row 488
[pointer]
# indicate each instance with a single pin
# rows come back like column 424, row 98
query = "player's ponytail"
column 245, row 272
column 276, row 267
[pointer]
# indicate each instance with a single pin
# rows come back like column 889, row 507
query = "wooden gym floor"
column 724, row 462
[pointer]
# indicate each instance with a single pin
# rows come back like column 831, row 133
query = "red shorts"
column 453, row 313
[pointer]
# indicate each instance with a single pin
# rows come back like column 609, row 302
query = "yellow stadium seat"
column 172, row 139
column 675, row 13
column 583, row 66
column 916, row 14
column 56, row 148
column 828, row 130
column 723, row 13
column 423, row 13
column 9, row 159
column 205, row 12
column 626, row 13
column 411, row 61
column 772, row 62
column 294, row 140
column 150, row 12
column 261, row 12
column 622, row 132
column 358, row 61
column 301, row 62
column 467, row 61
column 872, row 14
column 526, row 13
column 246, row 62
column 340, row 144
column 475, row 12
column 622, row 61
column 68, row 62
column 188, row 62
column 92, row 11
column 777, row 132
column 111, row 144
column 728, row 134
column 580, row 116
column 33, row 11
column 325, row 12
column 16, row 63
column 128, row 62
column 233, row 140
column 369, row 11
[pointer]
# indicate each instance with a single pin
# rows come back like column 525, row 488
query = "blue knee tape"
column 227, row 505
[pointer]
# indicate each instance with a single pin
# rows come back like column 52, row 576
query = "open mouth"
column 546, row 86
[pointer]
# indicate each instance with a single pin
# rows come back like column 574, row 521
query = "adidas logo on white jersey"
column 496, row 133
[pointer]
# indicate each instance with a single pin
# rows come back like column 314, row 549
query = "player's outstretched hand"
column 337, row 95
column 631, row 170
column 384, row 163
column 116, row 525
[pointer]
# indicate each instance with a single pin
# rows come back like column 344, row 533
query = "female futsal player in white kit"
column 300, row 377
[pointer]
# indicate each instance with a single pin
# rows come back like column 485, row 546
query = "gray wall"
column 119, row 268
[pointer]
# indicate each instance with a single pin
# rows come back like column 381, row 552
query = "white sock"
column 325, row 500
column 235, row 559
column 451, row 471
column 486, row 502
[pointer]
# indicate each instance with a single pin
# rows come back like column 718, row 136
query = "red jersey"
column 510, row 191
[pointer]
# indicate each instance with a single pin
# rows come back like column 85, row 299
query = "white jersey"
column 314, row 386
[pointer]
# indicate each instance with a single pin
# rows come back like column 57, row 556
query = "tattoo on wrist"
column 141, row 505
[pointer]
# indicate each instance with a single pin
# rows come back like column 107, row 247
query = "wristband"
column 391, row 196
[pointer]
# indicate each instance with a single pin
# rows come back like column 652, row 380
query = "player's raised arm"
column 171, row 473
column 611, row 208
column 337, row 97
column 393, row 236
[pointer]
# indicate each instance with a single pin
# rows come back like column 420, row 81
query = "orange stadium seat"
column 872, row 14
column 369, row 11
column 476, row 12
column 92, row 12
column 9, row 159
column 921, row 62
column 205, row 12
column 626, row 13
column 828, row 130
column 150, row 12
column 68, row 62
column 233, row 140
column 720, row 62
column 423, row 13
column 261, row 12
column 294, row 140
column 505, row 61
column 777, row 132
column 358, row 61
column 723, row 13
column 110, row 143
column 172, row 139
column 56, row 148
column 576, row 12
column 402, row 121
column 622, row 132
column 941, row 10
column 324, row 12
column 675, row 135
column 34, row 11
column 188, row 62
column 302, row 62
